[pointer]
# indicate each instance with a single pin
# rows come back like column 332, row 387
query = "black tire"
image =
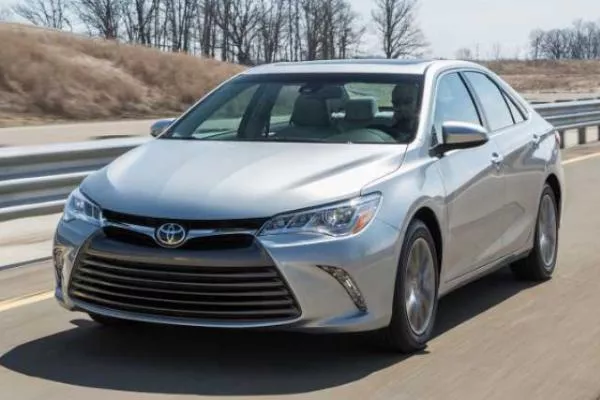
column 398, row 335
column 533, row 267
column 108, row 321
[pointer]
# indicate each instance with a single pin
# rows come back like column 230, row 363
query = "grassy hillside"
column 47, row 75
column 54, row 76
column 550, row 76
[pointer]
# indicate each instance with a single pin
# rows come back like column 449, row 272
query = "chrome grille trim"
column 232, row 294
column 192, row 233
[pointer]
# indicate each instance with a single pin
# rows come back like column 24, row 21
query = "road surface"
column 76, row 132
column 495, row 339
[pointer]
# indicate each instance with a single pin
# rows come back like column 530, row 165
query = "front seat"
column 310, row 119
column 359, row 116
column 360, row 112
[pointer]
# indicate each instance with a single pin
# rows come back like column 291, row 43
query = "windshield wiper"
column 284, row 139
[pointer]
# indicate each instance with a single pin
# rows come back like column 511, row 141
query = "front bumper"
column 305, row 263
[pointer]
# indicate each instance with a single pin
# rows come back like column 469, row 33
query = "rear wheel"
column 415, row 296
column 540, row 263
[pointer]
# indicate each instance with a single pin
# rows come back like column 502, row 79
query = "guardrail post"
column 581, row 134
column 561, row 133
column 599, row 133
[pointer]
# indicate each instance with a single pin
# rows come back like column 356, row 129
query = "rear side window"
column 494, row 106
column 453, row 102
column 514, row 110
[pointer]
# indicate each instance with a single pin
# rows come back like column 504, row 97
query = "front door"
column 475, row 186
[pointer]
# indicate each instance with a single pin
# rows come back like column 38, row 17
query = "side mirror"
column 461, row 135
column 159, row 126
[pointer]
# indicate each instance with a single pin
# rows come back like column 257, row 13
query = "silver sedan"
column 333, row 196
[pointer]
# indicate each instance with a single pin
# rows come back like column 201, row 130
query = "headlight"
column 341, row 219
column 79, row 207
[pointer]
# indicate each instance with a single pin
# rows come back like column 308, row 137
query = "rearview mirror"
column 159, row 126
column 461, row 135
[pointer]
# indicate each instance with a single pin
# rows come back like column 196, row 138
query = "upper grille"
column 216, row 242
column 244, row 224
column 196, row 292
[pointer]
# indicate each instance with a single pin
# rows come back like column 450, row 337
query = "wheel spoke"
column 411, row 307
column 419, row 286
column 547, row 231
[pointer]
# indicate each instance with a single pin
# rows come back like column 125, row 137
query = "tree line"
column 244, row 31
column 581, row 41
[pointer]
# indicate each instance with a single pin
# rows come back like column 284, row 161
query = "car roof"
column 383, row 66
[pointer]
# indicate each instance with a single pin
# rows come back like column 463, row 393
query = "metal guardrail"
column 36, row 180
column 572, row 115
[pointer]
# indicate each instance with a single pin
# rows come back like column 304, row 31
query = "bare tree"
column 238, row 19
column 555, row 44
column 206, row 26
column 271, row 23
column 350, row 33
column 396, row 25
column 591, row 31
column 245, row 31
column 580, row 41
column 311, row 17
column 137, row 18
column 496, row 51
column 102, row 17
column 180, row 18
column 464, row 53
column 536, row 39
column 48, row 13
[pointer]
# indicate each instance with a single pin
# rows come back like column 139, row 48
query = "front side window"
column 329, row 108
column 493, row 102
column 453, row 102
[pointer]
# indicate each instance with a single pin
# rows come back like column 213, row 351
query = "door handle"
column 497, row 160
column 536, row 139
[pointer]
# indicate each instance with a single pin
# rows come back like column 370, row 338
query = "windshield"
column 333, row 108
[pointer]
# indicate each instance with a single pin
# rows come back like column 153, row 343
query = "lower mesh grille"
column 207, row 293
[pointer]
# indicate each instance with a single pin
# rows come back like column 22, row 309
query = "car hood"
column 230, row 180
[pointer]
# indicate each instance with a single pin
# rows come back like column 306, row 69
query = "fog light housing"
column 58, row 258
column 348, row 284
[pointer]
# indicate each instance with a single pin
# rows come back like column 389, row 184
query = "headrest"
column 362, row 109
column 310, row 111
column 406, row 93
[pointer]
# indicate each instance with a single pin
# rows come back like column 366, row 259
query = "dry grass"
column 48, row 75
column 550, row 76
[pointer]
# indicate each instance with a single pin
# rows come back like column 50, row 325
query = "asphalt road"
column 75, row 132
column 495, row 339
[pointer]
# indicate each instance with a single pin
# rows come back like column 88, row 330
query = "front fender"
column 416, row 185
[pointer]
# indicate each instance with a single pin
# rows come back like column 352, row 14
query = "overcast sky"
column 451, row 24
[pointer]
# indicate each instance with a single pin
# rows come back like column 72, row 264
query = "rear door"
column 474, row 185
column 523, row 169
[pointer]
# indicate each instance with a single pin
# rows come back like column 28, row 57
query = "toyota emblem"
column 170, row 235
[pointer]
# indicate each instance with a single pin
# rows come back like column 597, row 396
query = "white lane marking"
column 25, row 300
column 582, row 158
column 37, row 297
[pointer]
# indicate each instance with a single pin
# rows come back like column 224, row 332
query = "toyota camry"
column 326, row 196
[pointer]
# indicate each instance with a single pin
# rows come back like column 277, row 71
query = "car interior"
column 315, row 112
column 331, row 114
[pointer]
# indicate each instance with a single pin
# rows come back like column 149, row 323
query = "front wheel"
column 415, row 295
column 541, row 261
